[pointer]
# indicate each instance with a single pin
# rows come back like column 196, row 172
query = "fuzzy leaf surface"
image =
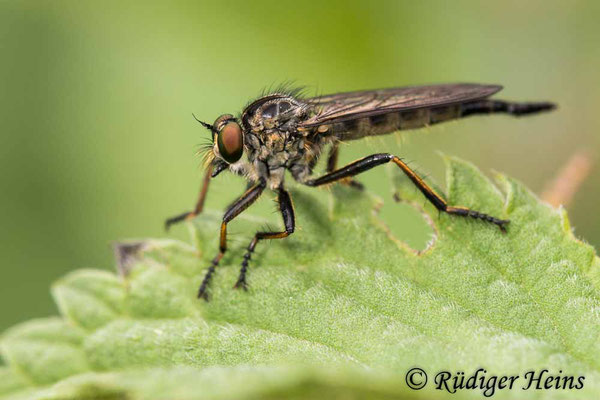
column 341, row 309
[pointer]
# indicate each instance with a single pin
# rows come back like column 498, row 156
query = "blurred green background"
column 98, row 140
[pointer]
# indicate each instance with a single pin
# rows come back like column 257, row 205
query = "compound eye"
column 230, row 142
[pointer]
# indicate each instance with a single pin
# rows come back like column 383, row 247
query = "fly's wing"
column 349, row 106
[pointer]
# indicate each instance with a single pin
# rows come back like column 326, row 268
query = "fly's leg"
column 199, row 204
column 365, row 164
column 332, row 166
column 245, row 201
column 289, row 220
column 249, row 185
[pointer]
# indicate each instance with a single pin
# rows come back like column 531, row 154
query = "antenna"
column 204, row 124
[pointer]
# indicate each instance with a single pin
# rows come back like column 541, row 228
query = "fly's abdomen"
column 383, row 124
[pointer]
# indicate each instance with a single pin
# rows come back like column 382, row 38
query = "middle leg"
column 287, row 212
column 245, row 201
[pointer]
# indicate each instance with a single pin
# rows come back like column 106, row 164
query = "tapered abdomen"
column 413, row 119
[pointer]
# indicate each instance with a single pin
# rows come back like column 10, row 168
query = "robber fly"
column 284, row 131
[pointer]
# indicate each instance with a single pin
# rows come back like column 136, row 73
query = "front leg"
column 199, row 204
column 289, row 221
column 211, row 172
column 365, row 164
column 245, row 201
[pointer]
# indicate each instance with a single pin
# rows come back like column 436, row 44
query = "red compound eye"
column 230, row 142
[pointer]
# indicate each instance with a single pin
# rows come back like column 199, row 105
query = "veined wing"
column 348, row 106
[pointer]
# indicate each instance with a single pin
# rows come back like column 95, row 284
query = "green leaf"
column 341, row 309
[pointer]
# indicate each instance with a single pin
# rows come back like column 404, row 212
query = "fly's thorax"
column 277, row 149
column 270, row 126
column 259, row 170
column 270, row 152
column 273, row 112
column 272, row 139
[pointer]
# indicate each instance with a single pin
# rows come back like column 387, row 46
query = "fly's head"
column 227, row 145
column 266, row 132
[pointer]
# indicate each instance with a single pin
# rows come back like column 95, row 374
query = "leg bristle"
column 203, row 289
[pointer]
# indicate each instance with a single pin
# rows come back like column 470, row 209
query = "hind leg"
column 332, row 166
column 366, row 163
